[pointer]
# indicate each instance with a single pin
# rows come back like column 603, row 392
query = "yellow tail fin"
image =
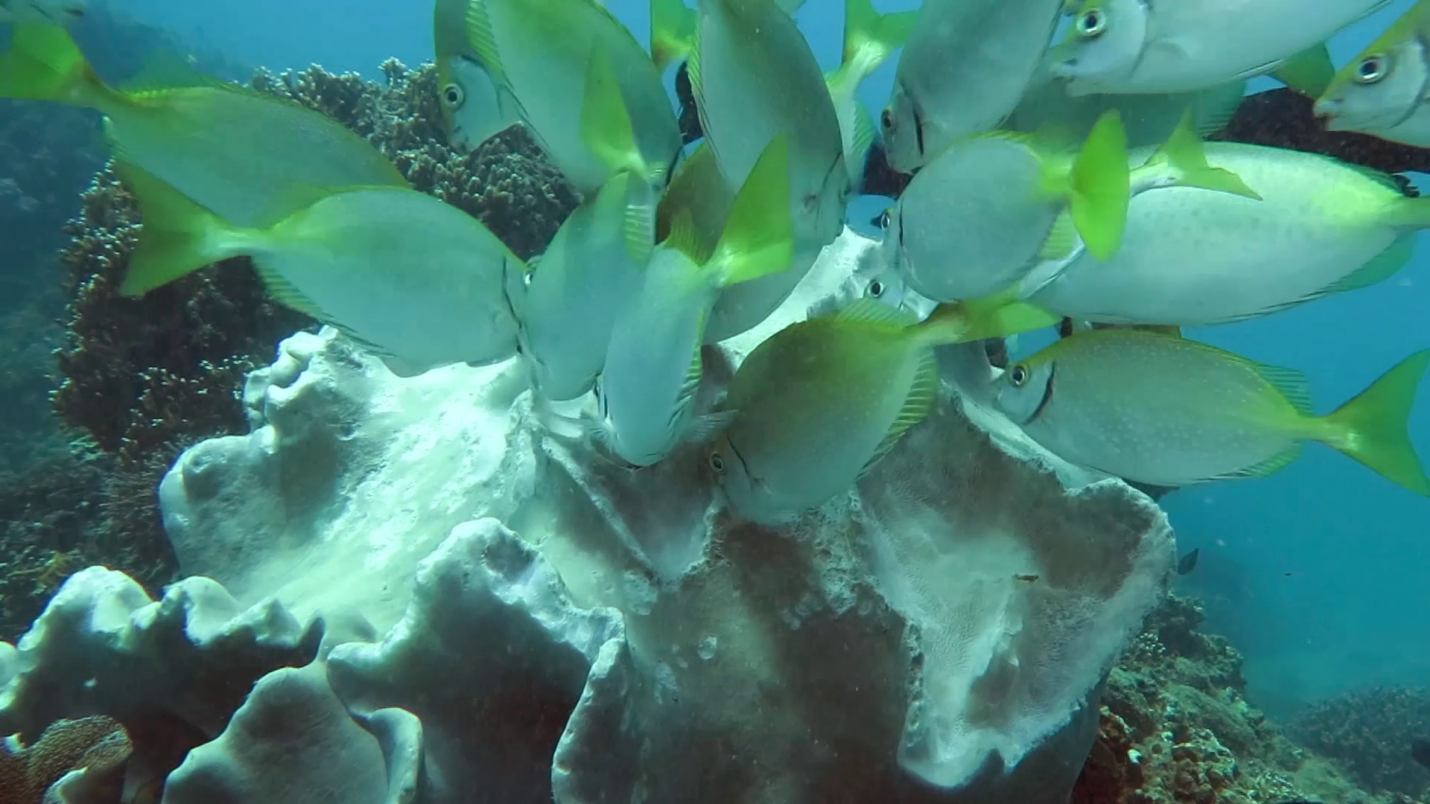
column 758, row 239
column 1101, row 182
column 606, row 126
column 672, row 32
column 1373, row 427
column 177, row 238
column 998, row 316
column 44, row 63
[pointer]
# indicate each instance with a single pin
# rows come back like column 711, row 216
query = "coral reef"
column 1176, row 728
column 88, row 755
column 1369, row 732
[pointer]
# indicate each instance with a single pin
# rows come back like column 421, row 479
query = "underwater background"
column 1318, row 575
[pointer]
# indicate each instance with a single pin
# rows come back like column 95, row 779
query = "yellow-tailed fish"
column 232, row 150
column 1384, row 90
column 1131, row 46
column 420, row 282
column 1159, row 409
column 697, row 190
column 754, row 77
column 582, row 284
column 820, row 402
column 978, row 217
column 59, row 12
column 652, row 370
column 963, row 71
column 542, row 52
column 1192, row 257
column 672, row 29
column 869, row 39
column 475, row 106
column 1149, row 119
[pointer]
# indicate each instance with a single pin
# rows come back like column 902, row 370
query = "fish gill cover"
column 931, row 610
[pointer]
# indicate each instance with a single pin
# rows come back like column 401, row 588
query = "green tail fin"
column 1184, row 153
column 759, row 235
column 1101, row 182
column 997, row 316
column 1309, row 72
column 869, row 36
column 44, row 63
column 1373, row 427
column 606, row 126
column 177, row 237
column 672, row 32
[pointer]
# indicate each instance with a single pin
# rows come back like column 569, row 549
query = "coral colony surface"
column 408, row 590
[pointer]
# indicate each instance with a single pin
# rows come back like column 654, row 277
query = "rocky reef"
column 1369, row 732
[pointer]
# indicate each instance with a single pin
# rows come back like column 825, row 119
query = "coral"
column 1369, row 733
column 1176, row 728
column 93, row 749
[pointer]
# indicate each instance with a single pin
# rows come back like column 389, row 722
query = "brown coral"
column 96, row 744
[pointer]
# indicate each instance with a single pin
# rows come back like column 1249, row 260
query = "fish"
column 963, row 71
column 1383, row 90
column 1188, row 562
column 417, row 281
column 869, row 39
column 1420, row 752
column 754, row 77
column 59, row 12
column 475, row 106
column 975, row 240
column 582, row 284
column 1130, row 46
column 672, row 30
column 646, row 391
column 1190, row 257
column 819, row 403
column 541, row 52
column 1169, row 411
column 233, row 150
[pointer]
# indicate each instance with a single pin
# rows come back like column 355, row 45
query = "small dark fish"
column 690, row 128
column 1188, row 562
column 1026, row 578
column 1420, row 752
column 879, row 178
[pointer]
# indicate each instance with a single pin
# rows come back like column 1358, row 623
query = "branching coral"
column 1369, row 732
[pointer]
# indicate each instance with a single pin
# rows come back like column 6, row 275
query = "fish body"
column 475, row 105
column 1159, row 409
column 234, row 151
column 419, row 281
column 1131, row 46
column 58, row 12
column 755, row 77
column 978, row 217
column 652, row 369
column 540, row 51
column 869, row 39
column 582, row 285
column 1385, row 90
column 1190, row 256
column 963, row 71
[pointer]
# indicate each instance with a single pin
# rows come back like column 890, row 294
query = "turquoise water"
column 1319, row 572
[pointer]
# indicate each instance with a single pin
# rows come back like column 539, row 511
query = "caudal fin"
column 44, row 63
column 1373, row 427
column 870, row 37
column 1101, row 182
column 998, row 316
column 606, row 126
column 1184, row 159
column 177, row 238
column 672, row 32
column 758, row 239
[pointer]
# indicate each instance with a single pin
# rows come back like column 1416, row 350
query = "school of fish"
column 1058, row 172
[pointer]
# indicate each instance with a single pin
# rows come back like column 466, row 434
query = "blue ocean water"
column 1319, row 572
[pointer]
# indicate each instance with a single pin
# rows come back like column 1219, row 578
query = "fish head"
column 744, row 493
column 826, row 208
column 1025, row 389
column 1380, row 89
column 471, row 102
column 1105, row 42
column 902, row 123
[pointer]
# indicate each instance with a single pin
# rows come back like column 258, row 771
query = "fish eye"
column 886, row 119
column 717, row 463
column 452, row 95
column 1091, row 24
column 1018, row 375
column 1371, row 69
column 876, row 289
